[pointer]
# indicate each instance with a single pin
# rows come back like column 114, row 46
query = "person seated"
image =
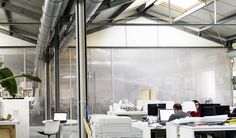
column 196, row 113
column 178, row 112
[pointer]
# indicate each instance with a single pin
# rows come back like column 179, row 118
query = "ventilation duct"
column 91, row 7
column 51, row 9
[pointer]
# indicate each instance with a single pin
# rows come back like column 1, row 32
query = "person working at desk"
column 196, row 113
column 178, row 112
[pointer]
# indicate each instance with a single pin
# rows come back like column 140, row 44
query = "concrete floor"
column 68, row 132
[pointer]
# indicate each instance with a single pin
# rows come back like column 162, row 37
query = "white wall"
column 151, row 36
column 6, row 40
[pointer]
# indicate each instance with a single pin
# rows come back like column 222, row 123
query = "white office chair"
column 50, row 128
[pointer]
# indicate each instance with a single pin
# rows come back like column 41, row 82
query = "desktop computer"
column 208, row 109
column 165, row 114
column 153, row 109
column 222, row 110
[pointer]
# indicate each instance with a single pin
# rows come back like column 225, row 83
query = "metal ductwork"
column 51, row 9
column 91, row 7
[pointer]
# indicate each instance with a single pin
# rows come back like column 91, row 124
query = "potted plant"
column 8, row 79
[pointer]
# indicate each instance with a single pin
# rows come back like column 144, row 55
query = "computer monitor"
column 222, row 110
column 207, row 109
column 60, row 116
column 165, row 114
column 153, row 108
column 189, row 106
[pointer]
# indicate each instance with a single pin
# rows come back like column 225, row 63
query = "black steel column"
column 81, row 54
column 57, row 72
column 48, row 94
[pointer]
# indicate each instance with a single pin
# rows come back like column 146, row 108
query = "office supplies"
column 113, row 126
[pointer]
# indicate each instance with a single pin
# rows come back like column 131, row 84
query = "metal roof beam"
column 231, row 38
column 149, row 4
column 221, row 21
column 193, row 10
column 119, row 11
column 16, row 35
column 8, row 16
column 125, row 4
column 25, row 33
column 20, row 10
column 106, row 5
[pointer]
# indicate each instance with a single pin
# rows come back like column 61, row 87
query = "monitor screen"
column 165, row 114
column 60, row 116
column 222, row 110
column 153, row 108
column 189, row 106
column 207, row 109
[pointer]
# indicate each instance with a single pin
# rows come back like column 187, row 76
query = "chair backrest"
column 51, row 127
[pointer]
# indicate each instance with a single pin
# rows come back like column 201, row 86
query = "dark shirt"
column 178, row 115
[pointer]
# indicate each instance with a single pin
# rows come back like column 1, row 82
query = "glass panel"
column 196, row 73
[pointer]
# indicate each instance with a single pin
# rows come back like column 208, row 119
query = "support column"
column 57, row 72
column 48, row 94
column 81, row 54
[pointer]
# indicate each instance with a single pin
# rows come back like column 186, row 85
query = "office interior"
column 93, row 56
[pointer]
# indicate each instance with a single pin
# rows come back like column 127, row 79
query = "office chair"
column 50, row 128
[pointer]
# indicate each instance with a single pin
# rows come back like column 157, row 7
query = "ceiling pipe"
column 91, row 7
column 51, row 9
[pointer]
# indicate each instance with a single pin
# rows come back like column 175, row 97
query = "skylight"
column 183, row 4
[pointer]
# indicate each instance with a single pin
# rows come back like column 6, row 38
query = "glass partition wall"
column 68, row 78
column 118, row 73
column 21, row 60
column 196, row 73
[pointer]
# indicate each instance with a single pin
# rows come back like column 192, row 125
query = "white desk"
column 172, row 130
column 148, row 129
column 68, row 122
column 8, row 122
column 189, row 131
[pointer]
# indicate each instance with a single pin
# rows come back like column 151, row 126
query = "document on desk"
column 155, row 125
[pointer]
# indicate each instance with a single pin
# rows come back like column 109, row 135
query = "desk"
column 150, row 131
column 136, row 115
column 68, row 122
column 8, row 128
column 190, row 131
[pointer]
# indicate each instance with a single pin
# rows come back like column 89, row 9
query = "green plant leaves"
column 30, row 77
column 8, row 80
column 10, row 84
column 1, row 64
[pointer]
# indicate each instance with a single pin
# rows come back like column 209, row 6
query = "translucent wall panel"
column 100, row 94
column 21, row 60
column 174, row 74
column 68, row 81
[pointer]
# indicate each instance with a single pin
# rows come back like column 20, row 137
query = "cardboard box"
column 147, row 94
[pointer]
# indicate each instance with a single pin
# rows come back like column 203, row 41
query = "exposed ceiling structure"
column 211, row 19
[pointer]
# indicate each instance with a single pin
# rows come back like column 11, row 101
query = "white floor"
column 68, row 132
